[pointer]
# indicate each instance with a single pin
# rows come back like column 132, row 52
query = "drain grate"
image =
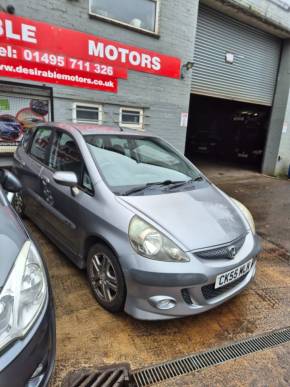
column 111, row 376
column 164, row 371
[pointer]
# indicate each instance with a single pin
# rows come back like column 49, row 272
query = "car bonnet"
column 198, row 218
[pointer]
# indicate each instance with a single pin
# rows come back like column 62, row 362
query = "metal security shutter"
column 252, row 75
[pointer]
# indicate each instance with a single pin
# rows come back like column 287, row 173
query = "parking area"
column 92, row 92
column 268, row 198
column 87, row 335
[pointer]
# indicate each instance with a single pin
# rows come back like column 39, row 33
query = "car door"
column 30, row 169
column 64, row 203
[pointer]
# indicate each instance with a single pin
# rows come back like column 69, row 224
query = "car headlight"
column 150, row 243
column 246, row 214
column 23, row 295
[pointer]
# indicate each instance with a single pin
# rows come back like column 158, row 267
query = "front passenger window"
column 65, row 156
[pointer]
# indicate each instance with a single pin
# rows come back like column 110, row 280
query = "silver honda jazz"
column 156, row 237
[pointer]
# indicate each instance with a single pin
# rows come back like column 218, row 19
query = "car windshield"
column 132, row 163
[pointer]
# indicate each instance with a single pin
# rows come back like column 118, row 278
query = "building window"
column 138, row 14
column 85, row 113
column 131, row 118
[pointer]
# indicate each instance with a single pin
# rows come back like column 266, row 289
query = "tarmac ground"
column 89, row 336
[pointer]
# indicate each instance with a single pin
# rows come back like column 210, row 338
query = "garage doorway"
column 226, row 131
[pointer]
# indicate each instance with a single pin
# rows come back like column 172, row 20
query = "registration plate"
column 233, row 275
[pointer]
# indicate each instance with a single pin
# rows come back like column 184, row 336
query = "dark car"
column 10, row 128
column 205, row 142
column 27, row 320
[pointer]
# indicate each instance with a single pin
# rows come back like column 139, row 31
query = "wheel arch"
column 88, row 244
column 90, row 241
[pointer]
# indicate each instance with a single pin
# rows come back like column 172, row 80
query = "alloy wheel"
column 104, row 278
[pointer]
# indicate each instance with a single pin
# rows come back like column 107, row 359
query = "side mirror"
column 9, row 181
column 67, row 179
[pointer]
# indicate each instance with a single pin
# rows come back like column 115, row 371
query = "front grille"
column 111, row 376
column 186, row 296
column 210, row 292
column 222, row 252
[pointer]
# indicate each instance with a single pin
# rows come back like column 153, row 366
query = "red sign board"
column 44, row 73
column 43, row 52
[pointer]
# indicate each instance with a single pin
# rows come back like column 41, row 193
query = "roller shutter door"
column 252, row 75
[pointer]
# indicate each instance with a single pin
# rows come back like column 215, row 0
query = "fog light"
column 162, row 302
column 166, row 304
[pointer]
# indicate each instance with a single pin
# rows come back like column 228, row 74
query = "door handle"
column 45, row 179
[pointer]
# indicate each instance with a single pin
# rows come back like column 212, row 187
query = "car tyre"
column 18, row 204
column 106, row 278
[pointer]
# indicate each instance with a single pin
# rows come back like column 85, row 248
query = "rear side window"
column 40, row 144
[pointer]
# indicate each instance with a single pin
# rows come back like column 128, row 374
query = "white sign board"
column 183, row 120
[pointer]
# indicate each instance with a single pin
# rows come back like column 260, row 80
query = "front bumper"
column 189, row 285
column 35, row 351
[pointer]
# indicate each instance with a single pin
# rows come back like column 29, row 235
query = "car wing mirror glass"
column 67, row 179
column 10, row 196
column 9, row 181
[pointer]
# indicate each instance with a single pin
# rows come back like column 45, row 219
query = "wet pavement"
column 268, row 198
column 88, row 336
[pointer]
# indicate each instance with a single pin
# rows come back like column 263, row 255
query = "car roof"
column 86, row 129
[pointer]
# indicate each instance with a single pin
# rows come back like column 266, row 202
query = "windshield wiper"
column 149, row 185
column 182, row 183
column 171, row 185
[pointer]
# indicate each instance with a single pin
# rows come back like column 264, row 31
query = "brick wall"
column 163, row 98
